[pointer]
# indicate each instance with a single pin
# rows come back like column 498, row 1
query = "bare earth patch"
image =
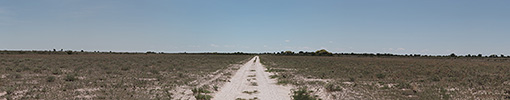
column 259, row 84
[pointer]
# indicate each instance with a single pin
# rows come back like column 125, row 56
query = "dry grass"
column 104, row 76
column 397, row 77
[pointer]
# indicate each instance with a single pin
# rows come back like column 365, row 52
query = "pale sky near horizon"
column 361, row 26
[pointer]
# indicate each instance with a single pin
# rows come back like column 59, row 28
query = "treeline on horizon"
column 321, row 52
column 71, row 52
column 324, row 52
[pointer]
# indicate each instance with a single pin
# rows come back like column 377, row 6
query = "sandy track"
column 252, row 77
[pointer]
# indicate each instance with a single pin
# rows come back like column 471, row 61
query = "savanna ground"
column 198, row 76
column 429, row 78
column 110, row 76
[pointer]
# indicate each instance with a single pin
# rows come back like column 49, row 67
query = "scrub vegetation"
column 105, row 76
column 369, row 77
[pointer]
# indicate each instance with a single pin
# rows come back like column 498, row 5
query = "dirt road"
column 252, row 82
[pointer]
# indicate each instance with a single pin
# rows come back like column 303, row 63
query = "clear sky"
column 362, row 26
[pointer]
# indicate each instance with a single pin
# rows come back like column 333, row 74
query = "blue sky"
column 368, row 26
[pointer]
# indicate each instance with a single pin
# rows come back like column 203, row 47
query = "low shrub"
column 70, row 77
column 125, row 68
column 153, row 71
column 273, row 76
column 331, row 87
column 251, row 75
column 50, row 78
column 254, row 84
column 56, row 72
column 303, row 94
column 215, row 88
column 380, row 76
column 251, row 92
column 203, row 97
column 283, row 82
column 200, row 90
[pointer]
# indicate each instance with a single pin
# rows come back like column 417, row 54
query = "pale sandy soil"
column 252, row 79
column 218, row 78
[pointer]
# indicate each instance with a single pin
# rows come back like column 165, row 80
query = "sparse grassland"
column 105, row 76
column 429, row 78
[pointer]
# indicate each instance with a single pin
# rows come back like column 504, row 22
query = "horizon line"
column 180, row 52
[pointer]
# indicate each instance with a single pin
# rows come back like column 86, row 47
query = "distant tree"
column 480, row 55
column 323, row 52
column 469, row 55
column 301, row 52
column 69, row 52
column 54, row 50
column 453, row 55
column 81, row 50
column 150, row 52
column 288, row 53
column 502, row 56
column 493, row 56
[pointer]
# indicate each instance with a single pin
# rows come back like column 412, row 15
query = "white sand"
column 267, row 89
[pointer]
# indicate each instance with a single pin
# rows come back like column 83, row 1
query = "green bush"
column 154, row 71
column 70, row 77
column 215, row 88
column 302, row 94
column 380, row 76
column 56, row 72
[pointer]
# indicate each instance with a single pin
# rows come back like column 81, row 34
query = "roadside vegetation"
column 393, row 77
column 303, row 94
column 106, row 76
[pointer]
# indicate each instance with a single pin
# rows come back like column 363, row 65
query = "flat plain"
column 211, row 76
column 108, row 76
column 360, row 77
